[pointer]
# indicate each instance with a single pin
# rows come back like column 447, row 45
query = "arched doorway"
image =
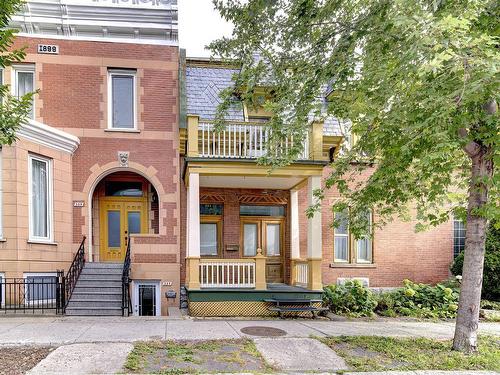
column 123, row 203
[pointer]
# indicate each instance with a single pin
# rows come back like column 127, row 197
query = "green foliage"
column 420, row 300
column 491, row 273
column 412, row 76
column 13, row 110
column 373, row 353
column 490, row 305
column 351, row 298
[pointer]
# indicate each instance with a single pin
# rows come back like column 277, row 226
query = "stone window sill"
column 34, row 242
column 124, row 130
column 353, row 265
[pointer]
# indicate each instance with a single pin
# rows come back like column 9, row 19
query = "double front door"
column 266, row 234
column 119, row 217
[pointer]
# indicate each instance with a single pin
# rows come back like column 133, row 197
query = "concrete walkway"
column 69, row 330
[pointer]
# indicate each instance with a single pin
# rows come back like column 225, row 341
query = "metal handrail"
column 126, row 305
column 69, row 281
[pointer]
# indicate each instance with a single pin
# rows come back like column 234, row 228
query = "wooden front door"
column 120, row 217
column 268, row 235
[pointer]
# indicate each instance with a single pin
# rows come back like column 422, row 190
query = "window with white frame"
column 40, row 198
column 347, row 248
column 341, row 238
column 24, row 83
column 122, row 99
column 40, row 287
column 458, row 236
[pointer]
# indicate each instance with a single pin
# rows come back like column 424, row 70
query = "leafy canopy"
column 13, row 110
column 412, row 77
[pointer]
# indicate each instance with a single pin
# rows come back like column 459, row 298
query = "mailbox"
column 171, row 294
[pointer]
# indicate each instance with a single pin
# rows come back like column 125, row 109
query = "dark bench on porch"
column 282, row 306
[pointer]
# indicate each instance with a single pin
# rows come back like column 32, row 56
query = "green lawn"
column 370, row 353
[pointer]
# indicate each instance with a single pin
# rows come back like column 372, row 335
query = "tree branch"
column 471, row 148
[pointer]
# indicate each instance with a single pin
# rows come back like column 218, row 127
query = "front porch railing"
column 301, row 273
column 241, row 141
column 227, row 273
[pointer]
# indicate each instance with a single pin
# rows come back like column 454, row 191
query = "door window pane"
column 273, row 239
column 114, row 235
column 147, row 300
column 39, row 198
column 208, row 239
column 25, row 85
column 250, row 239
column 134, row 222
column 123, row 101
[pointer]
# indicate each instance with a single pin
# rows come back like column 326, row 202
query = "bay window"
column 40, row 198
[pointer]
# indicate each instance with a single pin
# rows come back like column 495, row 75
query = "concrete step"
column 98, row 294
column 84, row 311
column 100, row 277
column 90, row 287
column 103, row 265
column 94, row 303
column 101, row 271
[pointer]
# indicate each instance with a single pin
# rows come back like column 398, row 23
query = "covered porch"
column 242, row 228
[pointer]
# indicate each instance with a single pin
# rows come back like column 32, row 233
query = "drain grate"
column 263, row 331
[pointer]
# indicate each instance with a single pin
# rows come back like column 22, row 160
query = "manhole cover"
column 263, row 331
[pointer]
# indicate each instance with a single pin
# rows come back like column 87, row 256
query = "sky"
column 199, row 24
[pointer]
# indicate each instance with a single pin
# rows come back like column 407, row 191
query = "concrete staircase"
column 98, row 291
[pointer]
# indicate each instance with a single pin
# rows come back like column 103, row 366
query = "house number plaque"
column 78, row 203
column 50, row 49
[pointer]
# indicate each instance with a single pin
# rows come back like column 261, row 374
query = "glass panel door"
column 250, row 239
column 273, row 235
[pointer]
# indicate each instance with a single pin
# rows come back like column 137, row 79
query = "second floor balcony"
column 250, row 140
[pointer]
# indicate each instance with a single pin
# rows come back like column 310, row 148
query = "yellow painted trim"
column 192, row 135
column 315, row 279
column 193, row 273
column 260, row 271
column 316, row 141
column 225, row 260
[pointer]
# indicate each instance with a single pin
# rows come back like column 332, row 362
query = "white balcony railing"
column 241, row 141
column 227, row 273
column 302, row 273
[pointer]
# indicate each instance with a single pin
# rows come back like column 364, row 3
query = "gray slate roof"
column 203, row 85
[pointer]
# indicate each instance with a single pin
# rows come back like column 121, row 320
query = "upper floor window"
column 348, row 249
column 458, row 236
column 24, row 83
column 122, row 99
column 40, row 198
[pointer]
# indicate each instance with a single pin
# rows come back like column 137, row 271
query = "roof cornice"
column 45, row 135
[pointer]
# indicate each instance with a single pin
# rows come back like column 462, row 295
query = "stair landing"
column 98, row 291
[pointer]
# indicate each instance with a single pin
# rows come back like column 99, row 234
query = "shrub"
column 420, row 300
column 491, row 273
column 351, row 298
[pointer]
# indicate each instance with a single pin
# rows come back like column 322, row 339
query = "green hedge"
column 491, row 273
column 351, row 299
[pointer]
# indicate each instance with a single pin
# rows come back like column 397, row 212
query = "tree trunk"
column 467, row 322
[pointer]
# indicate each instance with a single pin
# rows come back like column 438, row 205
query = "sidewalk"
column 68, row 330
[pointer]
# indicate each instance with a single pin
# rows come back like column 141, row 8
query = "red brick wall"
column 398, row 252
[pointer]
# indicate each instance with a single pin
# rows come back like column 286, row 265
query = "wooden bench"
column 282, row 306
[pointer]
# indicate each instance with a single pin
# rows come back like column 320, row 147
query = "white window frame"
column 455, row 220
column 39, row 274
column 118, row 72
column 135, row 288
column 23, row 69
column 50, row 198
column 345, row 235
column 2, row 277
column 370, row 260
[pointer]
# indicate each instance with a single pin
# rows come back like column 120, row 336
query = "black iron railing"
column 75, row 269
column 33, row 294
column 126, row 305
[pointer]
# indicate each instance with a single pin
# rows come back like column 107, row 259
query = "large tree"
column 13, row 110
column 417, row 81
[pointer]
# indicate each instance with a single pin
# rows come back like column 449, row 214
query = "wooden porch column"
column 192, row 136
column 314, row 237
column 193, row 232
column 294, row 234
column 260, row 271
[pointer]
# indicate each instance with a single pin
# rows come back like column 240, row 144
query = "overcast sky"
column 199, row 24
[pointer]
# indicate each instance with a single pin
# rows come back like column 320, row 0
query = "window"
column 40, row 198
column 24, row 83
column 458, row 236
column 40, row 287
column 262, row 211
column 122, row 100
column 123, row 189
column 348, row 249
column 210, row 229
column 341, row 238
